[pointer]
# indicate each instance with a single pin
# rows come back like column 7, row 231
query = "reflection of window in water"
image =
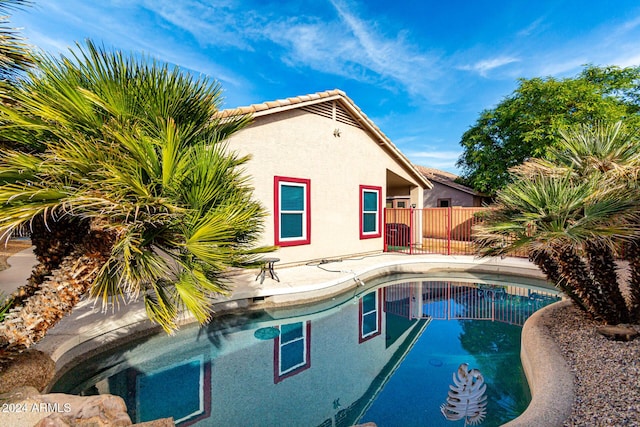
column 292, row 349
column 193, row 402
column 369, row 316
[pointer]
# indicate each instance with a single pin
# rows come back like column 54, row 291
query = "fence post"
column 449, row 213
column 411, row 231
column 385, row 244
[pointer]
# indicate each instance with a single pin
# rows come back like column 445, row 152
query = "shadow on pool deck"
column 88, row 329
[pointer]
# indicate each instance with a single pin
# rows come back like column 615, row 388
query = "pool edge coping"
column 551, row 381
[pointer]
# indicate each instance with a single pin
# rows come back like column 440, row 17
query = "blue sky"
column 421, row 70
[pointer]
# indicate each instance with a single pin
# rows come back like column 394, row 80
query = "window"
column 402, row 205
column 370, row 202
column 370, row 319
column 292, row 350
column 292, row 211
column 444, row 203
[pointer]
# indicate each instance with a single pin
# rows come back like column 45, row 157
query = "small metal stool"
column 267, row 267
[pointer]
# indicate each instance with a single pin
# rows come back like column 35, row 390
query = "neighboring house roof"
column 350, row 114
column 448, row 179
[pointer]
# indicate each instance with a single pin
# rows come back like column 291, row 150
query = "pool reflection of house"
column 322, row 368
column 323, row 169
column 318, row 371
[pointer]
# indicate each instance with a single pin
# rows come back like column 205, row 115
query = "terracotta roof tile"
column 283, row 103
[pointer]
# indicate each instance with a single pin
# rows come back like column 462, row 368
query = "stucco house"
column 322, row 169
column 447, row 192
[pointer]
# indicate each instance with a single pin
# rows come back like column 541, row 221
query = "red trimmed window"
column 370, row 323
column 370, row 208
column 292, row 211
column 292, row 350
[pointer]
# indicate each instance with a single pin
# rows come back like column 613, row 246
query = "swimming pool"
column 383, row 353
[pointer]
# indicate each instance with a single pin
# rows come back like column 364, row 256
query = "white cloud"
column 47, row 44
column 559, row 64
column 221, row 23
column 433, row 154
column 355, row 48
column 483, row 67
column 444, row 160
column 531, row 28
column 628, row 59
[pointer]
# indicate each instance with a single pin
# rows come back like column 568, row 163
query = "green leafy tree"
column 571, row 214
column 128, row 187
column 526, row 124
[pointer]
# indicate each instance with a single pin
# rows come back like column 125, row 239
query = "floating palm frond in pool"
column 466, row 398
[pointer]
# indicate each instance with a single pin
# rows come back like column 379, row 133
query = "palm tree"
column 570, row 213
column 14, row 52
column 613, row 151
column 127, row 184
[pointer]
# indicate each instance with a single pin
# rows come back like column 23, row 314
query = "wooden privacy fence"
column 430, row 230
column 446, row 231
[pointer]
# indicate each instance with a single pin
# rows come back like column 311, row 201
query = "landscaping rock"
column 31, row 368
column 162, row 422
column 618, row 332
column 18, row 394
column 77, row 411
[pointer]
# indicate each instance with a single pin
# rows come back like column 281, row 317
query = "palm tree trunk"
column 587, row 291
column 27, row 324
column 603, row 269
column 57, row 295
column 545, row 262
column 53, row 240
column 632, row 254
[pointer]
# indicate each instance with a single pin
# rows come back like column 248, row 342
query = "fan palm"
column 128, row 186
column 14, row 52
column 614, row 151
column 570, row 213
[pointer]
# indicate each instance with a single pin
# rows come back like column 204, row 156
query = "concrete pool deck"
column 88, row 329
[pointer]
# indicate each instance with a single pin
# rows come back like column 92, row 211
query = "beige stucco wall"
column 297, row 144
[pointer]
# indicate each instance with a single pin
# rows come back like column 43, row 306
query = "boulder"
column 618, row 332
column 104, row 410
column 25, row 408
column 162, row 422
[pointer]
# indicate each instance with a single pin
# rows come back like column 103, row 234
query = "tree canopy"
column 527, row 123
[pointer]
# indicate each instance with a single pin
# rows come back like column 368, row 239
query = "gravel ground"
column 607, row 372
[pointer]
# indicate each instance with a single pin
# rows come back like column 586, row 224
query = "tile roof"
column 446, row 178
column 271, row 107
column 280, row 104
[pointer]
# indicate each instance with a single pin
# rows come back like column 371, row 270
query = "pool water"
column 383, row 353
